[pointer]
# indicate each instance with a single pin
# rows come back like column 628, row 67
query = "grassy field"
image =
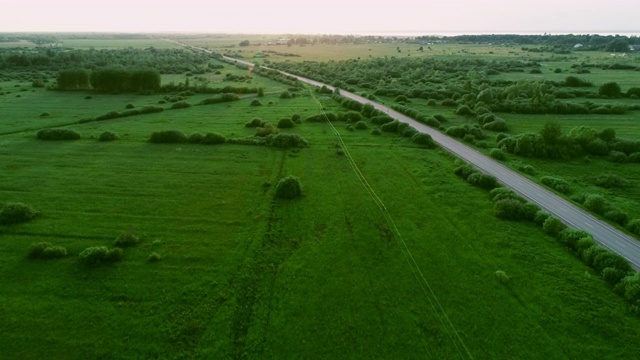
column 242, row 275
column 246, row 276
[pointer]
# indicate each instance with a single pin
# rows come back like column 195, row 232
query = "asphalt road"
column 575, row 217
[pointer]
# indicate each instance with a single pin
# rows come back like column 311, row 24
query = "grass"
column 244, row 275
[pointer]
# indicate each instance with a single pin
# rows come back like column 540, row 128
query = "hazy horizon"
column 357, row 17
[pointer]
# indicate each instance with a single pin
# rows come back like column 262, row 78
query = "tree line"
column 113, row 79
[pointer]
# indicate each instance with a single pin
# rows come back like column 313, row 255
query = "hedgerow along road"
column 575, row 217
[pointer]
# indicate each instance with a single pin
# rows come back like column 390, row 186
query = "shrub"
column 570, row 237
column 441, row 118
column 361, row 125
column 500, row 193
column 433, row 122
column 376, row 131
column 58, row 134
column 45, row 250
column 180, row 105
column 195, row 138
column 130, row 106
column 616, row 216
column 607, row 259
column 126, row 239
column 108, row 136
column 168, row 137
column 256, row 102
column 508, row 209
column 285, row 95
column 15, row 213
column 93, row 255
column 540, row 217
column 553, row 226
column 255, row 122
column 424, row 140
column 634, row 226
column 482, row 180
column 381, row 119
column 45, row 114
column 285, row 124
column 496, row 125
column 464, row 171
column 286, row 140
column 464, row 110
column 558, row 185
column 497, row 154
column 408, row 131
column 288, row 188
column 595, row 203
column 322, row 117
column 113, row 255
column 617, row 157
column 213, row 139
column 390, row 127
column 502, row 277
column 609, row 181
column 610, row 89
column 296, row 118
column 612, row 276
column 154, row 257
column 266, row 129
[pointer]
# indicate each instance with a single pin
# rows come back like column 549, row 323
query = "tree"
column 618, row 45
column 244, row 43
column 73, row 79
column 610, row 89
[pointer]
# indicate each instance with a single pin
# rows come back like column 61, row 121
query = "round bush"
column 154, row 257
column 15, row 213
column 376, row 131
column 180, row 105
column 497, row 154
column 288, row 188
column 130, row 106
column 423, row 140
column 296, row 118
column 255, row 122
column 285, row 124
column 553, row 226
column 286, row 140
column 108, row 136
column 96, row 255
column 361, row 125
column 213, row 139
column 256, row 102
column 45, row 114
column 285, row 95
column 502, row 277
column 168, row 137
column 195, row 138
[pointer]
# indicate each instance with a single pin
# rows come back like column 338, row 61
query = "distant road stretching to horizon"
column 575, row 217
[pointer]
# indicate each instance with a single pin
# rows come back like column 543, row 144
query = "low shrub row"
column 58, row 134
column 613, row 268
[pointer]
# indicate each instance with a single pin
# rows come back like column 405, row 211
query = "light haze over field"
column 321, row 16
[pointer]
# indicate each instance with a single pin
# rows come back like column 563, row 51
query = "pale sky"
column 320, row 16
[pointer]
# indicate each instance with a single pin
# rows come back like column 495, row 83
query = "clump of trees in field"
column 112, row 79
column 96, row 255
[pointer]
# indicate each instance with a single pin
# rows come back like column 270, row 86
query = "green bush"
column 502, row 277
column 97, row 255
column 617, row 157
column 288, row 188
column 108, row 136
column 286, row 140
column 540, row 217
column 613, row 276
column 296, row 118
column 464, row 110
column 361, row 125
column 423, row 140
column 508, row 209
column 126, row 239
column 570, row 237
column 553, row 226
column 195, row 138
column 45, row 250
column 497, row 154
column 390, row 127
column 15, row 213
column 558, row 185
column 609, row 181
column 616, row 216
column 408, row 131
column 376, row 131
column 266, row 129
column 634, row 226
column 58, row 134
column 256, row 102
column 595, row 203
column 154, row 257
column 285, row 124
column 180, row 105
column 168, row 137
column 464, row 171
column 381, row 119
column 610, row 89
column 213, row 139
column 482, row 180
column 285, row 95
column 255, row 122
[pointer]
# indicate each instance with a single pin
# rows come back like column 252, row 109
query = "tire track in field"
column 255, row 280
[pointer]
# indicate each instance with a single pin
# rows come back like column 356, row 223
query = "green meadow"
column 240, row 274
